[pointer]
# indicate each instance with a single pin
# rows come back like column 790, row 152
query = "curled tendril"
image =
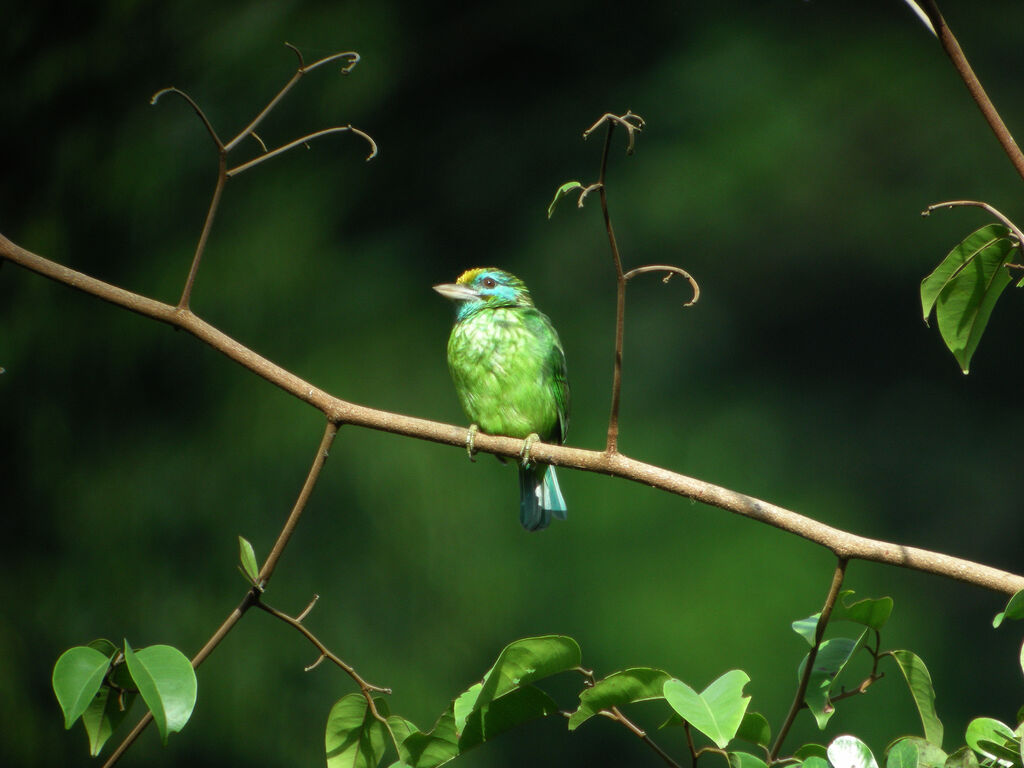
column 202, row 116
column 633, row 124
column 303, row 141
column 326, row 60
column 1015, row 231
column 669, row 270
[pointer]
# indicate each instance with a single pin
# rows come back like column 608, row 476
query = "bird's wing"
column 560, row 385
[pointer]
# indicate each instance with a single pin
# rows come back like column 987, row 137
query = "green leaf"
column 103, row 716
column 167, row 683
column 247, row 558
column 964, row 288
column 914, row 752
column 755, row 729
column 806, row 628
column 514, row 708
column 1013, row 610
column 354, row 738
column 716, row 712
column 833, row 656
column 962, row 758
column 811, row 750
column 920, row 683
column 850, row 752
column 816, row 761
column 625, row 687
column 561, row 192
column 745, row 760
column 438, row 746
column 77, row 676
column 524, row 661
column 989, row 738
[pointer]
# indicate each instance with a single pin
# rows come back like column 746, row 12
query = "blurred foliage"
column 790, row 148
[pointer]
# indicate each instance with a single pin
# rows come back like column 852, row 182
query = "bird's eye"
column 489, row 282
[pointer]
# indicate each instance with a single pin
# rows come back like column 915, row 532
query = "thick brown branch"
column 845, row 545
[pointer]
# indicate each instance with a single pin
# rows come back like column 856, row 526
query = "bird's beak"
column 456, row 292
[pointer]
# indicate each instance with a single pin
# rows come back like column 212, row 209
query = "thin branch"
column 842, row 543
column 963, row 67
column 211, row 212
column 330, row 430
column 805, row 678
column 978, row 204
column 670, row 270
column 365, row 687
column 640, row 733
column 303, row 140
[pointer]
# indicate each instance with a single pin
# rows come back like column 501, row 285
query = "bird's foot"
column 470, row 441
column 524, row 455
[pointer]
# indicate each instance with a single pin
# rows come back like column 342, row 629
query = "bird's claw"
column 470, row 441
column 524, row 455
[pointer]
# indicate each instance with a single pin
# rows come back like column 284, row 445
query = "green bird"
column 509, row 371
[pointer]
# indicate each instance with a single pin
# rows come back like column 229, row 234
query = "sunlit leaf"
column 990, row 738
column 354, row 738
column 77, row 676
column 964, row 757
column 914, row 752
column 920, row 683
column 745, row 760
column 755, row 729
column 433, row 748
column 850, row 752
column 167, row 683
column 514, row 708
column 636, row 684
column 716, row 712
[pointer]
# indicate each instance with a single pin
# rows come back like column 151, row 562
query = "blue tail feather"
column 539, row 497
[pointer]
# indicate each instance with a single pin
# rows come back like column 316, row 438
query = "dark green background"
column 790, row 148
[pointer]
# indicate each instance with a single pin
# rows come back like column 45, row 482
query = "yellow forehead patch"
column 470, row 275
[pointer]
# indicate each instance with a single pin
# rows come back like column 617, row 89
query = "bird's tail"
column 539, row 497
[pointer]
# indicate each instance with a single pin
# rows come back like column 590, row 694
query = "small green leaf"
column 438, row 746
column 870, row 612
column 920, row 683
column 962, row 758
column 833, row 656
column 806, row 628
column 167, row 683
column 77, row 676
column 965, row 287
column 816, row 761
column 636, row 684
column 103, row 716
column 923, row 752
column 850, row 752
column 745, row 760
column 716, row 712
column 247, row 558
column 104, row 646
column 755, row 729
column 1013, row 610
column 561, row 192
column 514, row 708
column 401, row 728
column 354, row 738
column 989, row 738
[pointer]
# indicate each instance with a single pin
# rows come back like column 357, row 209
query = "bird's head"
column 485, row 288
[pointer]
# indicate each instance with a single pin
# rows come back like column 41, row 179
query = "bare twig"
column 303, row 140
column 805, row 678
column 963, row 68
column 977, row 204
column 842, row 543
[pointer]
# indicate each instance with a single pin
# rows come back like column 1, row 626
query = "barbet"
column 509, row 371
